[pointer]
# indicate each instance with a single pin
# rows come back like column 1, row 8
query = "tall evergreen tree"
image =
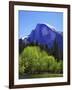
column 55, row 50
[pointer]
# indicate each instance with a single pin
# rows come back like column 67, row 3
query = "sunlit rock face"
column 46, row 35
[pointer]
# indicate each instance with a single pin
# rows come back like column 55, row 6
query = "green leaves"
column 34, row 60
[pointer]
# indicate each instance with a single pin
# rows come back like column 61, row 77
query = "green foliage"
column 34, row 60
column 21, row 66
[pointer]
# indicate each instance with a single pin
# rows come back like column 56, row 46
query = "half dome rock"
column 46, row 35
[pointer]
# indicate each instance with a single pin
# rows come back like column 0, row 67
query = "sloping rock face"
column 46, row 35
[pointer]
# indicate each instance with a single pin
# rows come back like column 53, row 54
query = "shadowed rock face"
column 44, row 34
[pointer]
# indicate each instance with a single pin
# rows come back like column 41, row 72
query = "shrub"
column 35, row 60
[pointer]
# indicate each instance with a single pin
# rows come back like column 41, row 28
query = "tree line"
column 55, row 50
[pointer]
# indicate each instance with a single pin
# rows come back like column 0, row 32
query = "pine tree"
column 55, row 50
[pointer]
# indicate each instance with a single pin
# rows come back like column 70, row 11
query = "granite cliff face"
column 46, row 35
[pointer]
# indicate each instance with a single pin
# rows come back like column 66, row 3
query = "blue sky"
column 29, row 19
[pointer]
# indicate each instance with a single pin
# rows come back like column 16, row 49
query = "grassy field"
column 45, row 75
